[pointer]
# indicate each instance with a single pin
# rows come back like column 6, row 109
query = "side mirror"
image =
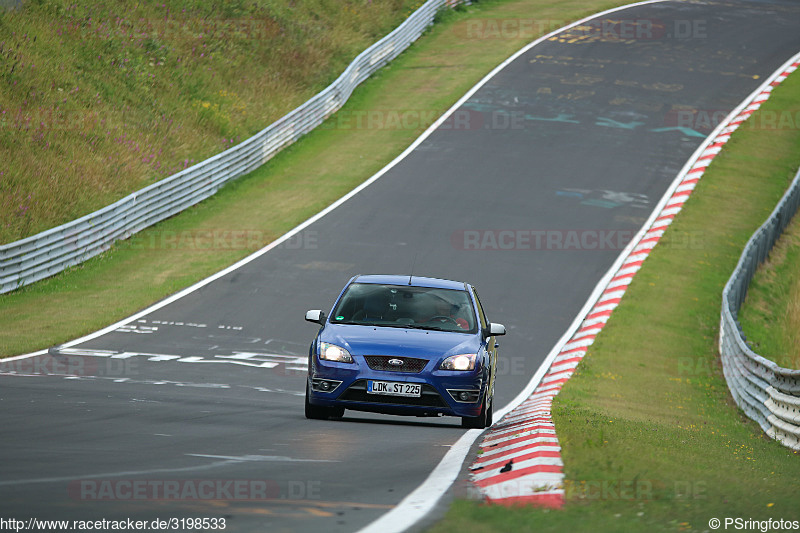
column 316, row 316
column 495, row 330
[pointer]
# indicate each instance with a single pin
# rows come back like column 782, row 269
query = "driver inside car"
column 446, row 312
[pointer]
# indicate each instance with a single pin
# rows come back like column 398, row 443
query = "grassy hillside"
column 98, row 99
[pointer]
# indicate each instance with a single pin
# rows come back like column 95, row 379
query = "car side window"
column 481, row 314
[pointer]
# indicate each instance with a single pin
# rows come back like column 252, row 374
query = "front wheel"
column 483, row 420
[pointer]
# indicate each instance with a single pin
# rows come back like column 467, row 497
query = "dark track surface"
column 575, row 137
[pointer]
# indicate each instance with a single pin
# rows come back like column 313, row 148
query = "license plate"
column 391, row 388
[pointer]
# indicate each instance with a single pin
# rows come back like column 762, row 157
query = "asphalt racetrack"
column 529, row 191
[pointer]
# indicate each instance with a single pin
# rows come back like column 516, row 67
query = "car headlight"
column 464, row 361
column 331, row 352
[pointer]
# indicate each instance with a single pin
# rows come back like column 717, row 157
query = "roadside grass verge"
column 650, row 436
column 770, row 316
column 302, row 180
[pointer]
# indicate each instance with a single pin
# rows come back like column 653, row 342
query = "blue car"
column 404, row 345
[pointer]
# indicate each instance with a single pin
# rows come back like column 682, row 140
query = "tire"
column 317, row 412
column 483, row 420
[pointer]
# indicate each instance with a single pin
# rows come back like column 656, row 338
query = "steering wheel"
column 443, row 319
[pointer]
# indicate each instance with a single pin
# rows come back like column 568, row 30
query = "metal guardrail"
column 767, row 393
column 52, row 251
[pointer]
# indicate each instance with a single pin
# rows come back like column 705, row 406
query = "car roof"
column 416, row 281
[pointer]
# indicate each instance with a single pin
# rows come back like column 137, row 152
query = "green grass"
column 648, row 410
column 770, row 316
column 299, row 182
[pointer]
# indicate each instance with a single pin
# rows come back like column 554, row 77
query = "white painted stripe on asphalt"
column 590, row 332
column 555, row 376
column 537, row 461
column 621, row 282
column 634, row 258
column 596, row 320
column 566, row 366
column 631, row 270
column 512, row 455
column 571, row 359
column 606, row 307
column 494, row 440
column 519, row 429
column 541, row 405
column 529, row 444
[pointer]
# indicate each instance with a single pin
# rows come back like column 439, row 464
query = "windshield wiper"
column 398, row 325
column 393, row 325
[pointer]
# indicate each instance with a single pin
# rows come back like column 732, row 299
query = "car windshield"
column 406, row 306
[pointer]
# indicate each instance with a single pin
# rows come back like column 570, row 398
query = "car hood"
column 372, row 340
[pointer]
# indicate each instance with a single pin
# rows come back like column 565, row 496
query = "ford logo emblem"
column 396, row 362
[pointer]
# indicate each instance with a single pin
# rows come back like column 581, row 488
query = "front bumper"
column 345, row 385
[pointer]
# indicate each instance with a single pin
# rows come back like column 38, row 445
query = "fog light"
column 465, row 395
column 325, row 385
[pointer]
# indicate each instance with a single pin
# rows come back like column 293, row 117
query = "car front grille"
column 381, row 362
column 357, row 392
